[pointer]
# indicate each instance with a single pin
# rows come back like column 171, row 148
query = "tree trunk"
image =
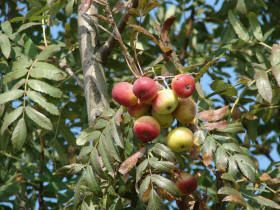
column 94, row 78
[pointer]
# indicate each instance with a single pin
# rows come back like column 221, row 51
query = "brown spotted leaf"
column 206, row 159
column 235, row 199
column 212, row 115
column 145, row 32
column 130, row 162
column 166, row 28
column 121, row 5
column 220, row 125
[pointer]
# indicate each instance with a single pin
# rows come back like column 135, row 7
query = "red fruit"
column 186, row 183
column 138, row 110
column 146, row 128
column 183, row 85
column 145, row 89
column 123, row 94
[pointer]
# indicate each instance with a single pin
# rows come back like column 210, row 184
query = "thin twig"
column 44, row 32
column 129, row 60
column 41, row 186
column 108, row 46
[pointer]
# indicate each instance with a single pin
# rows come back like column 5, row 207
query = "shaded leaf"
column 144, row 186
column 155, row 202
column 231, row 147
column 205, row 68
column 164, row 151
column 116, row 133
column 41, row 101
column 10, row 95
column 44, row 87
column 27, row 25
column 86, row 135
column 48, row 51
column 263, row 85
column 166, row 28
column 110, row 144
column 255, row 26
column 105, row 156
column 216, row 125
column 238, row 27
column 19, row 134
column 92, row 182
column 213, row 115
column 265, row 202
column 165, row 184
column 47, row 71
column 246, row 166
column 275, row 62
column 140, row 169
column 5, row 45
column 120, row 5
column 10, row 118
column 235, row 199
column 96, row 164
column 209, row 145
column 223, row 88
column 150, row 6
column 162, row 166
column 130, row 162
column 13, row 75
column 39, row 118
column 71, row 169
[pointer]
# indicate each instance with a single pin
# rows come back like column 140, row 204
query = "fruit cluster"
column 154, row 107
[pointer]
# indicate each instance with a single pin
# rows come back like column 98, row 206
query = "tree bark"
column 94, row 77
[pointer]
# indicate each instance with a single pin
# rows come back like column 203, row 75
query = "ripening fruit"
column 146, row 128
column 186, row 183
column 183, row 85
column 185, row 111
column 180, row 139
column 165, row 102
column 138, row 110
column 145, row 89
column 165, row 120
column 123, row 94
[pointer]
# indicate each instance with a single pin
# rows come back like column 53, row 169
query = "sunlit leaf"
column 92, row 181
column 48, row 71
column 116, row 134
column 13, row 75
column 221, row 159
column 166, row 28
column 144, row 186
column 10, row 118
column 155, row 202
column 71, row 169
column 140, row 169
column 5, row 45
column 232, row 128
column 166, row 184
column 238, row 27
column 265, row 202
column 235, row 199
column 263, row 85
column 40, row 119
column 275, row 62
column 246, row 166
column 255, row 26
column 105, row 156
column 162, row 166
column 48, row 51
column 10, row 95
column 19, row 134
column 222, row 124
column 86, row 135
column 40, row 100
column 44, row 87
column 95, row 161
column 164, row 151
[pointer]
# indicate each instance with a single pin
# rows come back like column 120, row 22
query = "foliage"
column 50, row 155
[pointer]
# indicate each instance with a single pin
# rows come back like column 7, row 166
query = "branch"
column 72, row 74
column 97, row 99
column 41, row 186
column 108, row 46
column 188, row 35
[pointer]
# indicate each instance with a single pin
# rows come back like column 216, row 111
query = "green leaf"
column 27, row 25
column 48, row 51
column 233, row 128
column 116, row 133
column 92, row 182
column 47, row 71
column 140, row 169
column 5, row 45
column 30, row 49
column 238, row 27
column 164, row 152
column 88, row 134
column 10, row 118
column 71, row 169
column 275, row 62
column 232, row 166
column 209, row 145
column 7, row 27
column 165, row 184
column 44, row 87
column 221, row 159
column 95, row 161
column 10, row 95
column 155, row 202
column 263, row 85
column 144, row 186
column 40, row 100
column 162, row 166
column 265, row 202
column 100, row 123
column 221, row 87
column 232, row 147
column 19, row 134
column 69, row 8
column 233, row 195
column 39, row 118
column 255, row 26
column 110, row 144
column 22, row 63
column 246, row 166
column 13, row 75
column 105, row 156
